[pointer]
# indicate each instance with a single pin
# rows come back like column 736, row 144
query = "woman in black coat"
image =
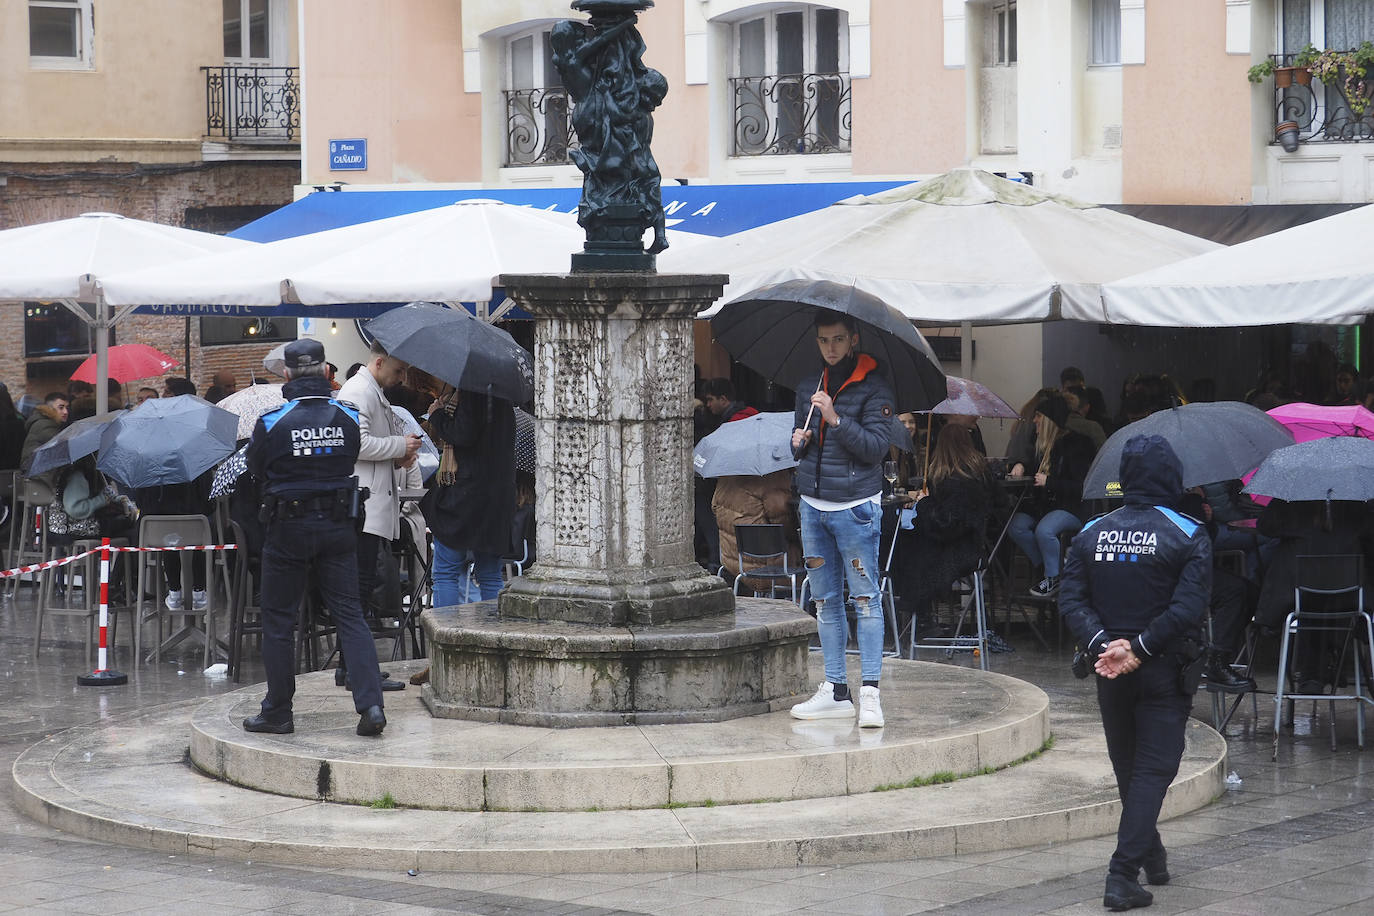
column 470, row 507
column 951, row 520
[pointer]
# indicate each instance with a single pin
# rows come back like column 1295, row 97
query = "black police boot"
column 372, row 721
column 1122, row 893
column 1157, row 867
column 1219, row 674
column 259, row 723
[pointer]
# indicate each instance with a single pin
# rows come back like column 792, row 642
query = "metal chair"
column 245, row 617
column 51, row 604
column 28, row 533
column 1328, row 598
column 765, row 546
column 973, row 597
column 176, row 531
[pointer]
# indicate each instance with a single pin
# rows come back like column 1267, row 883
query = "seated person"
column 1232, row 603
column 752, row 500
column 1061, row 460
column 181, row 499
column 951, row 518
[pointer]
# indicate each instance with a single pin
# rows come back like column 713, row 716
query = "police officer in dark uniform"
column 304, row 454
column 1134, row 591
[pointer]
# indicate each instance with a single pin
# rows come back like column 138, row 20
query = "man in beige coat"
column 381, row 457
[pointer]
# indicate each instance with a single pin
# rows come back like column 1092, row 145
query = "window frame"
column 85, row 57
column 547, row 83
column 1093, row 8
column 1002, row 46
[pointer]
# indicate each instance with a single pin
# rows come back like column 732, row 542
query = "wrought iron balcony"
column 538, row 127
column 253, row 103
column 791, row 114
column 1323, row 113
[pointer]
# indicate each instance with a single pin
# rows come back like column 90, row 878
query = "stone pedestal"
column 613, row 355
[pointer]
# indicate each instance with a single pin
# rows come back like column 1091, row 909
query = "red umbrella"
column 128, row 361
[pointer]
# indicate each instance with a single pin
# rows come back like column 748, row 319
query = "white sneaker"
column 824, row 705
column 870, row 710
column 199, row 600
column 173, row 601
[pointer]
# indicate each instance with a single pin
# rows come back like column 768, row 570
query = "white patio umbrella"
column 1317, row 273
column 448, row 254
column 966, row 246
column 61, row 261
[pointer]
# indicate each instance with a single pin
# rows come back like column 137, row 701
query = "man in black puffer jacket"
column 841, row 449
column 1135, row 588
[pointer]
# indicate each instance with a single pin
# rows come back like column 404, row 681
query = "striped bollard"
column 102, row 676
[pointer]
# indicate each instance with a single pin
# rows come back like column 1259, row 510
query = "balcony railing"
column 252, row 103
column 790, row 114
column 538, row 127
column 1323, row 113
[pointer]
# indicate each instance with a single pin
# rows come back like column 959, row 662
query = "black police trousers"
column 294, row 547
column 1143, row 715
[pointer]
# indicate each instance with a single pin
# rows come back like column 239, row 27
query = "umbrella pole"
column 925, row 471
column 809, row 413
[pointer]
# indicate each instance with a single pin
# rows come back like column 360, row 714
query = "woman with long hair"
column 1059, row 463
column 951, row 520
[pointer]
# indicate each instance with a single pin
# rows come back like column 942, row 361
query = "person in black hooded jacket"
column 1135, row 587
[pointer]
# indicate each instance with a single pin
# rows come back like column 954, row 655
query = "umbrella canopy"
column 250, row 403
column 227, row 475
column 452, row 345
column 770, row 330
column 404, row 424
column 525, row 454
column 1312, row 421
column 449, row 254
column 128, row 361
column 760, row 445
column 1336, row 468
column 967, row 398
column 76, row 441
column 275, row 360
column 53, row 260
column 965, row 246
column 1319, row 272
column 1217, row 441
column 166, row 440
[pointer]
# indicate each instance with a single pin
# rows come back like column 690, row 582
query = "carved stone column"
column 613, row 368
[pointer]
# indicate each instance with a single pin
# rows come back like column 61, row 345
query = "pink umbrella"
column 1312, row 421
column 967, row 398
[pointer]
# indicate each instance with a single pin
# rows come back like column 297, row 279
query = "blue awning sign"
column 348, row 155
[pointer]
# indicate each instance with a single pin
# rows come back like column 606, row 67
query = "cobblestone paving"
column 1293, row 837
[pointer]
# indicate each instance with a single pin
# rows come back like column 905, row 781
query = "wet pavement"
column 1292, row 836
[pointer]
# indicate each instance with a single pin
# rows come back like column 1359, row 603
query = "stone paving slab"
column 128, row 781
column 939, row 719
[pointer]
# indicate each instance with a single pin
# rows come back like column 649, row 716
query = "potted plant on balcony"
column 1300, row 71
column 1351, row 72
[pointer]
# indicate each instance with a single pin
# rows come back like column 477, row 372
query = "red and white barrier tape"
column 63, row 561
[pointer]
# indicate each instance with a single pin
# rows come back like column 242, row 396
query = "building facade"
column 185, row 112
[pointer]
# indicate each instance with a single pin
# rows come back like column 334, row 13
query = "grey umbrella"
column 524, row 441
column 762, row 444
column 1218, row 441
column 1338, row 468
column 771, row 331
column 167, row 440
column 76, row 441
column 452, row 345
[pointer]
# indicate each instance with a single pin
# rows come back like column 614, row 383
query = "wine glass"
column 890, row 473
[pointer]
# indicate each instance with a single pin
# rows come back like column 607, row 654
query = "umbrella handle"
column 812, row 411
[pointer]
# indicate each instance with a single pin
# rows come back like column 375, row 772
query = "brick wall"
column 216, row 195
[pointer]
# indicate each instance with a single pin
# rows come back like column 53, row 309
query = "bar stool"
column 973, row 597
column 176, row 531
column 51, row 605
column 28, row 534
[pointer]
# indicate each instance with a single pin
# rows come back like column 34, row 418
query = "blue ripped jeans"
column 846, row 541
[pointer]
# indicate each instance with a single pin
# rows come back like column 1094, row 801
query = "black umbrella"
column 167, row 440
column 1216, row 441
column 452, row 345
column 524, row 441
column 76, row 441
column 1337, row 468
column 770, row 330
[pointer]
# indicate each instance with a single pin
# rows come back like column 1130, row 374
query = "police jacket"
column 307, row 446
column 845, row 462
column 1143, row 572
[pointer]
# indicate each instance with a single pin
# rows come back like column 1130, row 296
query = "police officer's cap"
column 304, row 352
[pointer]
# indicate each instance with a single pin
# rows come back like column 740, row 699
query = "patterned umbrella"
column 251, row 403
column 128, row 361
column 967, row 398
column 403, row 424
column 524, row 441
column 228, row 473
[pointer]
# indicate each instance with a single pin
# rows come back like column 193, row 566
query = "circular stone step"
column 127, row 780
column 941, row 719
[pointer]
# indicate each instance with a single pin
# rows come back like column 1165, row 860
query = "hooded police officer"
column 1134, row 591
column 303, row 452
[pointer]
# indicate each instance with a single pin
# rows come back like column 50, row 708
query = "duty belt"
column 295, row 508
